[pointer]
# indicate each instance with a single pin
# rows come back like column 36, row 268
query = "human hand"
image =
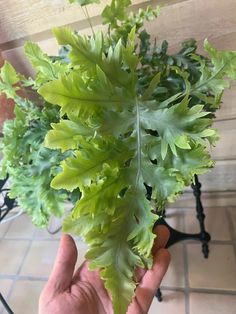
column 83, row 292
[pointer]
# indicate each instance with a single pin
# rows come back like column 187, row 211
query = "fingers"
column 152, row 279
column 162, row 238
column 63, row 269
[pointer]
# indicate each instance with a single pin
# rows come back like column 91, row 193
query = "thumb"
column 63, row 269
column 152, row 279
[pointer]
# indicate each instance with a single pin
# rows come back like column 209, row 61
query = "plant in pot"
column 28, row 163
column 129, row 124
column 6, row 106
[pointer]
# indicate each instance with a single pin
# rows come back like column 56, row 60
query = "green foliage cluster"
column 134, row 120
column 29, row 164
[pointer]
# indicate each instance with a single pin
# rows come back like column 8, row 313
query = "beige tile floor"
column 193, row 285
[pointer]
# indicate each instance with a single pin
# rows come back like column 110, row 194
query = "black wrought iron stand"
column 6, row 203
column 177, row 236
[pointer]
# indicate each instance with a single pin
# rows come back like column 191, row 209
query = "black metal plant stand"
column 6, row 203
column 177, row 236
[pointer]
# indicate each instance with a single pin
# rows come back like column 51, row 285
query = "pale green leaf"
column 75, row 96
column 115, row 11
column 84, row 2
column 8, row 74
column 223, row 64
column 80, row 170
column 183, row 142
column 154, row 82
column 47, row 70
column 67, row 135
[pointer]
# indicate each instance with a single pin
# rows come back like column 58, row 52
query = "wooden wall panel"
column 226, row 147
column 178, row 21
column 209, row 199
column 228, row 106
column 225, row 42
column 195, row 18
column 221, row 178
column 18, row 59
column 50, row 46
column 25, row 18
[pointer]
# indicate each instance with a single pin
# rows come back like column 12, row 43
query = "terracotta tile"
column 173, row 303
column 212, row 303
column 21, row 227
column 54, row 225
column 40, row 258
column 232, row 212
column 216, row 223
column 175, row 273
column 25, row 296
column 5, row 286
column 175, row 218
column 209, row 199
column 216, row 272
column 184, row 200
column 3, row 228
column 12, row 253
column 44, row 234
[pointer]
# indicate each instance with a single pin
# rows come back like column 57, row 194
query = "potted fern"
column 123, row 118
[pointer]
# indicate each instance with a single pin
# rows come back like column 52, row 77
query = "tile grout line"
column 9, row 225
column 33, row 239
column 215, row 242
column 16, row 276
column 186, row 269
column 186, row 290
column 191, row 207
column 164, row 288
column 221, row 242
column 201, row 290
column 186, row 279
column 19, row 278
column 231, row 230
column 12, row 284
column 181, row 289
column 7, row 296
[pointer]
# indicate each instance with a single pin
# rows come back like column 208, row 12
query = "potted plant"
column 28, row 163
column 129, row 125
column 6, row 106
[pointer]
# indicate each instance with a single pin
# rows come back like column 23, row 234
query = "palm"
column 85, row 295
column 84, row 292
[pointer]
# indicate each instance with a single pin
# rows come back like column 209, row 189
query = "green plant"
column 29, row 164
column 133, row 119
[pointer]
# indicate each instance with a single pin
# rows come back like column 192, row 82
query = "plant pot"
column 6, row 106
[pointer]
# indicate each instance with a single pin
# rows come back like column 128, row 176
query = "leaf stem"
column 88, row 19
column 139, row 143
column 212, row 77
